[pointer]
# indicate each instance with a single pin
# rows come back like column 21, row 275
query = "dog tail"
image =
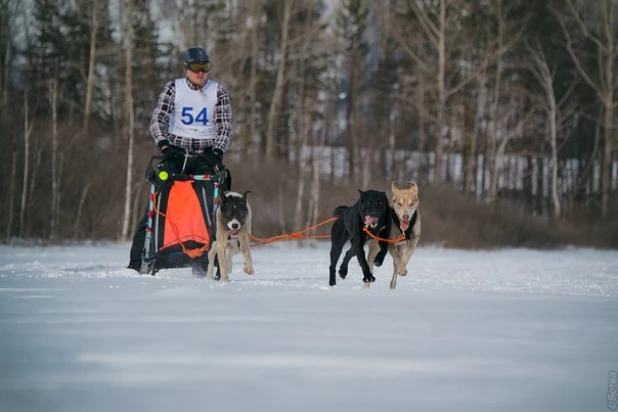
column 339, row 210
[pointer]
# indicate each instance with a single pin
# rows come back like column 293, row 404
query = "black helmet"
column 195, row 55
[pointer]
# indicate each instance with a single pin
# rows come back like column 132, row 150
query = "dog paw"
column 369, row 278
column 402, row 272
column 248, row 270
column 378, row 262
column 343, row 273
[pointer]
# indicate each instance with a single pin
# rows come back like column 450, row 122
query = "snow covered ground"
column 511, row 330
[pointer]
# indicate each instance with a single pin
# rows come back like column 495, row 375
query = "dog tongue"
column 404, row 225
column 233, row 233
column 369, row 220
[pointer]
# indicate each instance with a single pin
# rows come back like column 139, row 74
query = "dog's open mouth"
column 234, row 233
column 371, row 221
column 404, row 225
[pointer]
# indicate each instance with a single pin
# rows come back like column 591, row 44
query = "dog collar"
column 407, row 233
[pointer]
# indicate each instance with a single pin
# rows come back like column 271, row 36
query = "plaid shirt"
column 159, row 127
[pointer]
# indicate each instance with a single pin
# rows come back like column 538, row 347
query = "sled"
column 181, row 210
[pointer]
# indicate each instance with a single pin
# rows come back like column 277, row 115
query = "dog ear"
column 244, row 195
column 394, row 187
column 413, row 185
column 361, row 192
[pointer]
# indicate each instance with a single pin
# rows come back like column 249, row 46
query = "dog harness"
column 408, row 232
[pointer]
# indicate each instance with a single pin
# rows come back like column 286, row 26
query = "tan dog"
column 407, row 221
column 233, row 228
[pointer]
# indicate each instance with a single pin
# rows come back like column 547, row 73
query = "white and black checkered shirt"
column 159, row 123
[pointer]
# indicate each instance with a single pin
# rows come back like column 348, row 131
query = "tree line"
column 496, row 99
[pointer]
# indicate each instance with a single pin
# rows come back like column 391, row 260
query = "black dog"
column 371, row 210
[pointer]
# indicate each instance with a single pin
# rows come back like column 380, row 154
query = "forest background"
column 501, row 110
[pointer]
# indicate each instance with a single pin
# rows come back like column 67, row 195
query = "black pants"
column 195, row 166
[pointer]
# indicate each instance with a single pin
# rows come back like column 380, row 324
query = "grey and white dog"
column 233, row 228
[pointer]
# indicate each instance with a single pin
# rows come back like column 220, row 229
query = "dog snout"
column 235, row 225
column 406, row 217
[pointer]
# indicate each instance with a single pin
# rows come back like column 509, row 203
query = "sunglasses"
column 199, row 67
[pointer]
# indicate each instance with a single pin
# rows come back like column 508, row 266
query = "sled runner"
column 180, row 215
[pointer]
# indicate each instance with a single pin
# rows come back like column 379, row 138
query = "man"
column 194, row 116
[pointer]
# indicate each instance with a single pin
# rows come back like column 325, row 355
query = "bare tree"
column 33, row 184
column 9, row 11
column 392, row 97
column 275, row 104
column 12, row 180
column 313, row 209
column 434, row 30
column 517, row 121
column 53, row 96
column 353, row 18
column 447, row 44
column 508, row 34
column 478, row 110
column 129, row 123
column 80, row 208
column 439, row 36
column 422, row 117
column 539, row 67
column 602, row 16
column 91, row 63
column 496, row 120
column 255, row 21
column 188, row 18
column 303, row 127
column 26, row 170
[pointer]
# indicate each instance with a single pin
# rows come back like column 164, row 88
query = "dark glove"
column 213, row 156
column 172, row 153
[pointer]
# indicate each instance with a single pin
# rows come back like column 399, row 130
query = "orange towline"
column 300, row 235
column 381, row 239
column 295, row 235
